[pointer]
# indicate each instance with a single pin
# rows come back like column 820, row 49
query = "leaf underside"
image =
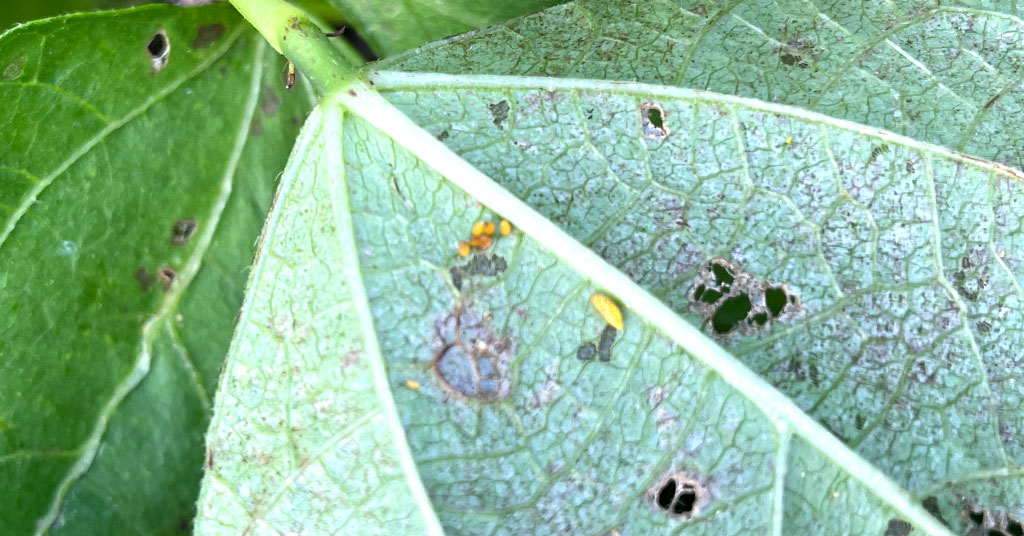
column 874, row 279
column 115, row 178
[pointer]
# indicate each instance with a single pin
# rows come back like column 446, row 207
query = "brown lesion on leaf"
column 480, row 264
column 270, row 103
column 159, row 49
column 654, row 121
column 732, row 300
column 499, row 111
column 182, row 231
column 898, row 527
column 208, row 35
column 679, row 495
column 470, row 360
column 168, row 276
column 145, row 279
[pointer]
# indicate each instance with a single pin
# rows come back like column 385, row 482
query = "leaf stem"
column 292, row 32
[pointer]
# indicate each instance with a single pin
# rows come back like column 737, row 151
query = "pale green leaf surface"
column 305, row 438
column 391, row 26
column 512, row 433
column 949, row 72
column 107, row 376
column 905, row 260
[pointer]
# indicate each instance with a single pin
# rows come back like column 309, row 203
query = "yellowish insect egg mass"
column 489, row 228
column 478, row 228
column 608, row 310
column 505, row 227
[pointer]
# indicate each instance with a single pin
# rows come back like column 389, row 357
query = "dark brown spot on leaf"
column 208, row 35
column 898, row 527
column 499, row 111
column 168, row 276
column 182, row 231
column 144, row 278
column 269, row 102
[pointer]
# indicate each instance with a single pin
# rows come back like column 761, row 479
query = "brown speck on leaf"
column 144, row 278
column 208, row 35
column 257, row 127
column 352, row 92
column 351, row 358
column 182, row 231
column 168, row 276
column 209, row 458
column 270, row 102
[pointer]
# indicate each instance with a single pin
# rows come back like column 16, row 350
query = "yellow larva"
column 609, row 311
column 412, row 385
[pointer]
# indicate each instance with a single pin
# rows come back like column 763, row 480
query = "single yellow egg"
column 608, row 309
column 505, row 227
column 478, row 228
column 489, row 228
column 463, row 249
column 412, row 385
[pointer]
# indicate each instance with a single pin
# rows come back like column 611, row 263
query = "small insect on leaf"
column 489, row 228
column 478, row 228
column 412, row 385
column 463, row 249
column 289, row 76
column 505, row 227
column 608, row 310
column 789, row 140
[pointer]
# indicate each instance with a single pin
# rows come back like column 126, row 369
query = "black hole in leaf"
column 760, row 319
column 726, row 289
column 775, row 299
column 995, row 532
column 732, row 311
column 586, row 351
column 722, row 275
column 931, row 504
column 157, row 46
column 1014, row 528
column 698, row 292
column 977, row 517
column 666, row 494
column 654, row 116
column 685, row 501
column 711, row 296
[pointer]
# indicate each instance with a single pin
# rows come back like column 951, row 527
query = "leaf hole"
column 732, row 311
column 678, row 496
column 1014, row 527
column 667, row 494
column 168, row 276
column 775, row 299
column 653, row 121
column 685, row 501
column 159, row 49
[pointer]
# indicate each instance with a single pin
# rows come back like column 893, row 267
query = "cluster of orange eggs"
column 482, row 236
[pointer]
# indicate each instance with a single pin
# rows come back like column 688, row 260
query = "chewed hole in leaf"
column 1014, row 527
column 159, row 49
column 499, row 111
column 731, row 299
column 667, row 494
column 732, row 311
column 653, row 121
column 678, row 496
column 775, row 299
